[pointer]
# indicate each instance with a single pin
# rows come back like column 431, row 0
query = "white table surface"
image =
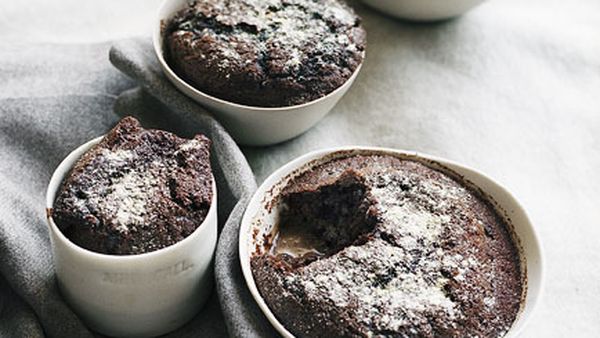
column 512, row 89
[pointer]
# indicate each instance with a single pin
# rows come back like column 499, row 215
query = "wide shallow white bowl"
column 134, row 295
column 259, row 220
column 423, row 10
column 249, row 124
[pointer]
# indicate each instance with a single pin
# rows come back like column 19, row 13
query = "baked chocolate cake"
column 375, row 245
column 270, row 53
column 136, row 191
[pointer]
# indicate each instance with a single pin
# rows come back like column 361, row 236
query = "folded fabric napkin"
column 76, row 90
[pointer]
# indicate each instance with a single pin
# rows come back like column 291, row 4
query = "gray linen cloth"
column 73, row 102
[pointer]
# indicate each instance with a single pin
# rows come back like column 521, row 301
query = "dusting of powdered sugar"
column 189, row 145
column 128, row 198
column 128, row 186
column 117, row 157
column 397, row 282
column 124, row 194
column 401, row 298
column 283, row 30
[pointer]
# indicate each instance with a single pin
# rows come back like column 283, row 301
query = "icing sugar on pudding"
column 382, row 245
column 273, row 53
column 136, row 191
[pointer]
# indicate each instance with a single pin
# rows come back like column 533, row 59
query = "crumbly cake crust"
column 403, row 251
column 136, row 191
column 269, row 53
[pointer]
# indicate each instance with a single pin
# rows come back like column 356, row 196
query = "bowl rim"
column 529, row 300
column 63, row 170
column 158, row 50
column 416, row 14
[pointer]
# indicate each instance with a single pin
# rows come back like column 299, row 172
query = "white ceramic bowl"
column 258, row 221
column 248, row 124
column 423, row 10
column 135, row 295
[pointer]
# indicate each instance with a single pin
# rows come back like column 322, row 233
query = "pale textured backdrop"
column 512, row 88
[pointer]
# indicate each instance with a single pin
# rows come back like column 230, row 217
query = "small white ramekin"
column 133, row 295
column 248, row 125
column 423, row 10
column 260, row 217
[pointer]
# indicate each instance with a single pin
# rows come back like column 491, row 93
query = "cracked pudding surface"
column 271, row 53
column 376, row 245
column 137, row 191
